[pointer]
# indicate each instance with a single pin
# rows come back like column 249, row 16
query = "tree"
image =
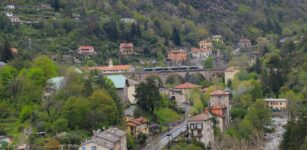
column 55, row 4
column 176, row 37
column 208, row 63
column 112, row 30
column 76, row 111
column 49, row 68
column 148, row 95
column 259, row 115
column 6, row 54
column 103, row 110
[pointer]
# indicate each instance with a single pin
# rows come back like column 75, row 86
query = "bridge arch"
column 174, row 78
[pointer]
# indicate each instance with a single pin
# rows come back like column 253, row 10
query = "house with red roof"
column 86, row 50
column 126, row 48
column 186, row 88
column 200, row 127
column 219, row 112
column 221, row 98
column 137, row 126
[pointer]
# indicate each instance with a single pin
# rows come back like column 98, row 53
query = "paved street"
column 160, row 142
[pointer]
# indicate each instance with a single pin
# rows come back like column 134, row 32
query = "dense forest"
column 154, row 27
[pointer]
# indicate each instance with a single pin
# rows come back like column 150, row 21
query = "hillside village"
column 99, row 77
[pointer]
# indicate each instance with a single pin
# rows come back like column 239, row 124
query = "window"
column 83, row 148
column 93, row 148
column 192, row 126
column 199, row 126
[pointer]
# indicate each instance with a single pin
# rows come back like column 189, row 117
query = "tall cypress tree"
column 176, row 37
column 6, row 54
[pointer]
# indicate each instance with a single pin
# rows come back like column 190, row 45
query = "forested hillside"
column 52, row 30
column 71, row 23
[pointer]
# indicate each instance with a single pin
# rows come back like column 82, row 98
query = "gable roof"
column 186, row 85
column 108, row 68
column 86, row 47
column 200, row 117
column 216, row 110
column 119, row 81
column 126, row 45
column 218, row 92
column 137, row 121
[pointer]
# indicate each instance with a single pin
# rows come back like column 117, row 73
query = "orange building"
column 177, row 55
column 220, row 114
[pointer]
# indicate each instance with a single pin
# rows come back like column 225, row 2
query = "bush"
column 25, row 113
column 60, row 124
column 166, row 115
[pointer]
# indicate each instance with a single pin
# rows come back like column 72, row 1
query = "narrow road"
column 160, row 142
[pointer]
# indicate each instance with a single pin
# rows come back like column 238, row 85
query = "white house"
column 200, row 127
column 11, row 6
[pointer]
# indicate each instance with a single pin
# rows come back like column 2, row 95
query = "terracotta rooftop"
column 204, row 90
column 186, row 85
column 137, row 121
column 218, row 92
column 126, row 45
column 200, row 117
column 231, row 69
column 109, row 68
column 86, row 47
column 177, row 51
column 216, row 110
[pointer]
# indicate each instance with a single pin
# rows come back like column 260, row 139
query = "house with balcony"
column 277, row 104
column 137, row 126
column 177, row 55
column 200, row 128
column 221, row 98
column 86, row 50
column 201, row 53
column 219, row 112
column 126, row 48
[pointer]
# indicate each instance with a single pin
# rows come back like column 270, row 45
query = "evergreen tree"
column 55, row 4
column 6, row 52
column 176, row 37
column 148, row 95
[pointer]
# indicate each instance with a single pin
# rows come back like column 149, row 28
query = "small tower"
column 110, row 63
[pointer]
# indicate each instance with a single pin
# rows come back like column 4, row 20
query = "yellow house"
column 230, row 73
column 137, row 126
column 276, row 104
